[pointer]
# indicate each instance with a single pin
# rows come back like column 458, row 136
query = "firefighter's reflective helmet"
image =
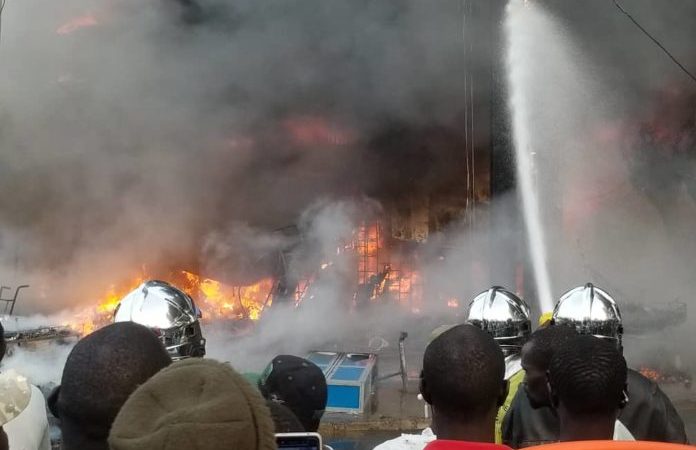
column 504, row 315
column 590, row 310
column 169, row 312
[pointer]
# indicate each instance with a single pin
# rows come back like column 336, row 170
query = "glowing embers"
column 665, row 377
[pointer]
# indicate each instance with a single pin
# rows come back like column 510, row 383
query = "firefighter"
column 505, row 316
column 649, row 414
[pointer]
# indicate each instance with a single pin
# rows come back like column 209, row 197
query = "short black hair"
column 588, row 375
column 101, row 372
column 546, row 341
column 463, row 372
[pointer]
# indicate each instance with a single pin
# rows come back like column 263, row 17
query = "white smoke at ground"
column 606, row 217
column 326, row 319
column 42, row 364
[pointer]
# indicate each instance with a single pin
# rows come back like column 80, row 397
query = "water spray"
column 517, row 75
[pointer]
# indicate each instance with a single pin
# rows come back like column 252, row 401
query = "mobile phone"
column 299, row 441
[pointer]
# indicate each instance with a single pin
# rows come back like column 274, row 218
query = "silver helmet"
column 169, row 312
column 504, row 315
column 590, row 310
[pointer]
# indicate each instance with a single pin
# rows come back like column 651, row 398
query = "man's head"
column 194, row 404
column 463, row 378
column 502, row 314
column 298, row 384
column 536, row 358
column 591, row 311
column 587, row 381
column 102, row 370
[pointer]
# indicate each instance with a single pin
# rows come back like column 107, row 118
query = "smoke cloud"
column 135, row 133
column 182, row 135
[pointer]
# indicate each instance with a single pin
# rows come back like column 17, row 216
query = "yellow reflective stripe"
column 514, row 382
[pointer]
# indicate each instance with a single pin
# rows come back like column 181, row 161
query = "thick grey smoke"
column 148, row 133
column 131, row 131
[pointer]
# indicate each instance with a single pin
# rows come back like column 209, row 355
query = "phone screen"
column 301, row 441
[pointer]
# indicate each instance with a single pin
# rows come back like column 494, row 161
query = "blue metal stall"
column 351, row 379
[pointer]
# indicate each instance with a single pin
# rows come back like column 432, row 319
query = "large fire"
column 216, row 300
column 382, row 276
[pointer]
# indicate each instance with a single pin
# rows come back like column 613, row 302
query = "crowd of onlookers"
column 120, row 390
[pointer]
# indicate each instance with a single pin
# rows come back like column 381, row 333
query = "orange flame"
column 220, row 301
column 215, row 300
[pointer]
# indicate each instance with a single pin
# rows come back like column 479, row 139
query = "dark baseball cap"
column 299, row 384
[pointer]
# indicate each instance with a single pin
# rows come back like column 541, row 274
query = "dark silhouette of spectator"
column 298, row 384
column 194, row 404
column 536, row 358
column 101, row 372
column 587, row 381
column 463, row 381
column 4, row 445
column 284, row 420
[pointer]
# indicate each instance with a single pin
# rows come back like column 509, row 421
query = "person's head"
column 102, row 370
column 463, row 379
column 194, row 404
column 298, row 384
column 587, row 384
column 502, row 314
column 536, row 358
column 591, row 311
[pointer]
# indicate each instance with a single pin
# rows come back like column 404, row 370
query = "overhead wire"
column 652, row 38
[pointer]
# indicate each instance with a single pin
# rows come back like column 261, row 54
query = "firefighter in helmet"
column 169, row 312
column 648, row 414
column 506, row 317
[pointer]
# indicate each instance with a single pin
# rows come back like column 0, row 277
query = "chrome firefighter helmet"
column 169, row 312
column 590, row 310
column 504, row 315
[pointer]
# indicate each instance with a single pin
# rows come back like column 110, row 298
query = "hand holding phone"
column 299, row 441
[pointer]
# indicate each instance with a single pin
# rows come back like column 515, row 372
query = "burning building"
column 357, row 117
